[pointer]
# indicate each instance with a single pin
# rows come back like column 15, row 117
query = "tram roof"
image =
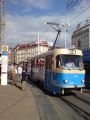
column 58, row 51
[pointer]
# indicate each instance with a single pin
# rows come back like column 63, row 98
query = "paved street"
column 35, row 104
column 16, row 104
column 70, row 106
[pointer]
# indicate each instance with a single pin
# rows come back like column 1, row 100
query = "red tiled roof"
column 28, row 45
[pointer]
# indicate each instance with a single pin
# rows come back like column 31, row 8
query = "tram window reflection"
column 62, row 60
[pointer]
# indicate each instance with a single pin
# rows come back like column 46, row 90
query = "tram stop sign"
column 4, row 64
column 5, row 48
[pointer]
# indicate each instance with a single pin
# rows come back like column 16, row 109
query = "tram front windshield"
column 71, row 61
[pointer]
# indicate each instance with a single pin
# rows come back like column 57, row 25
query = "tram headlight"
column 83, row 81
column 65, row 81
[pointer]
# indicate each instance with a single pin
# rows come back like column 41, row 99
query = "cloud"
column 24, row 29
column 14, row 1
column 42, row 4
column 27, row 10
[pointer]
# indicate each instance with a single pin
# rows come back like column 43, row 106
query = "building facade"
column 27, row 51
column 81, row 37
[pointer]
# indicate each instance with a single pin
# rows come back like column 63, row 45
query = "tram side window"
column 49, row 62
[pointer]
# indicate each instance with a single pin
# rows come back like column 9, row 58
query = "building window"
column 79, row 44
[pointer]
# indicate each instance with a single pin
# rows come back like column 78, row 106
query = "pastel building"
column 24, row 52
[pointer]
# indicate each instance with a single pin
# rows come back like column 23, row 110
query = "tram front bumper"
column 68, row 86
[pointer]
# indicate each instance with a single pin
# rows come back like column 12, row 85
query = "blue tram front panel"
column 68, row 80
column 56, row 81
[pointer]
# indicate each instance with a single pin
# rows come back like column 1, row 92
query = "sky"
column 26, row 19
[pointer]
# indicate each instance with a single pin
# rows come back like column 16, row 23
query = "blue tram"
column 86, row 60
column 51, row 70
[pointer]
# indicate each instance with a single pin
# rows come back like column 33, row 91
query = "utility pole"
column 2, row 22
column 66, row 25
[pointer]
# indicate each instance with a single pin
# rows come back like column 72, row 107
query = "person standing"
column 24, row 79
column 14, row 75
column 19, row 72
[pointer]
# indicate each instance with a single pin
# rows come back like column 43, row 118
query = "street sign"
column 5, row 48
column 4, row 65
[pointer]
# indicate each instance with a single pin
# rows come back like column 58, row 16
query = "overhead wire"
column 67, row 10
column 70, row 7
column 64, row 12
column 73, row 19
column 80, row 13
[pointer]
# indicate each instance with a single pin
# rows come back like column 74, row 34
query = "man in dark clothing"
column 24, row 78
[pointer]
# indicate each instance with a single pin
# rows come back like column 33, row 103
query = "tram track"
column 86, row 91
column 82, row 96
column 66, row 107
column 61, row 108
column 87, row 102
column 81, row 112
column 66, row 104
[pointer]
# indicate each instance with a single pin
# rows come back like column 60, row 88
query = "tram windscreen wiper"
column 80, row 69
column 68, row 68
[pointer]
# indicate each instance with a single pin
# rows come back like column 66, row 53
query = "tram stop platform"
column 16, row 104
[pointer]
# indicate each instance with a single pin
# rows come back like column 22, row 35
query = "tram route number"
column 71, row 52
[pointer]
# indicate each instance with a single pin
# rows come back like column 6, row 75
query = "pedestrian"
column 19, row 72
column 14, row 75
column 9, row 71
column 24, row 79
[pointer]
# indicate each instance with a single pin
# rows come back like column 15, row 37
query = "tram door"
column 48, row 72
